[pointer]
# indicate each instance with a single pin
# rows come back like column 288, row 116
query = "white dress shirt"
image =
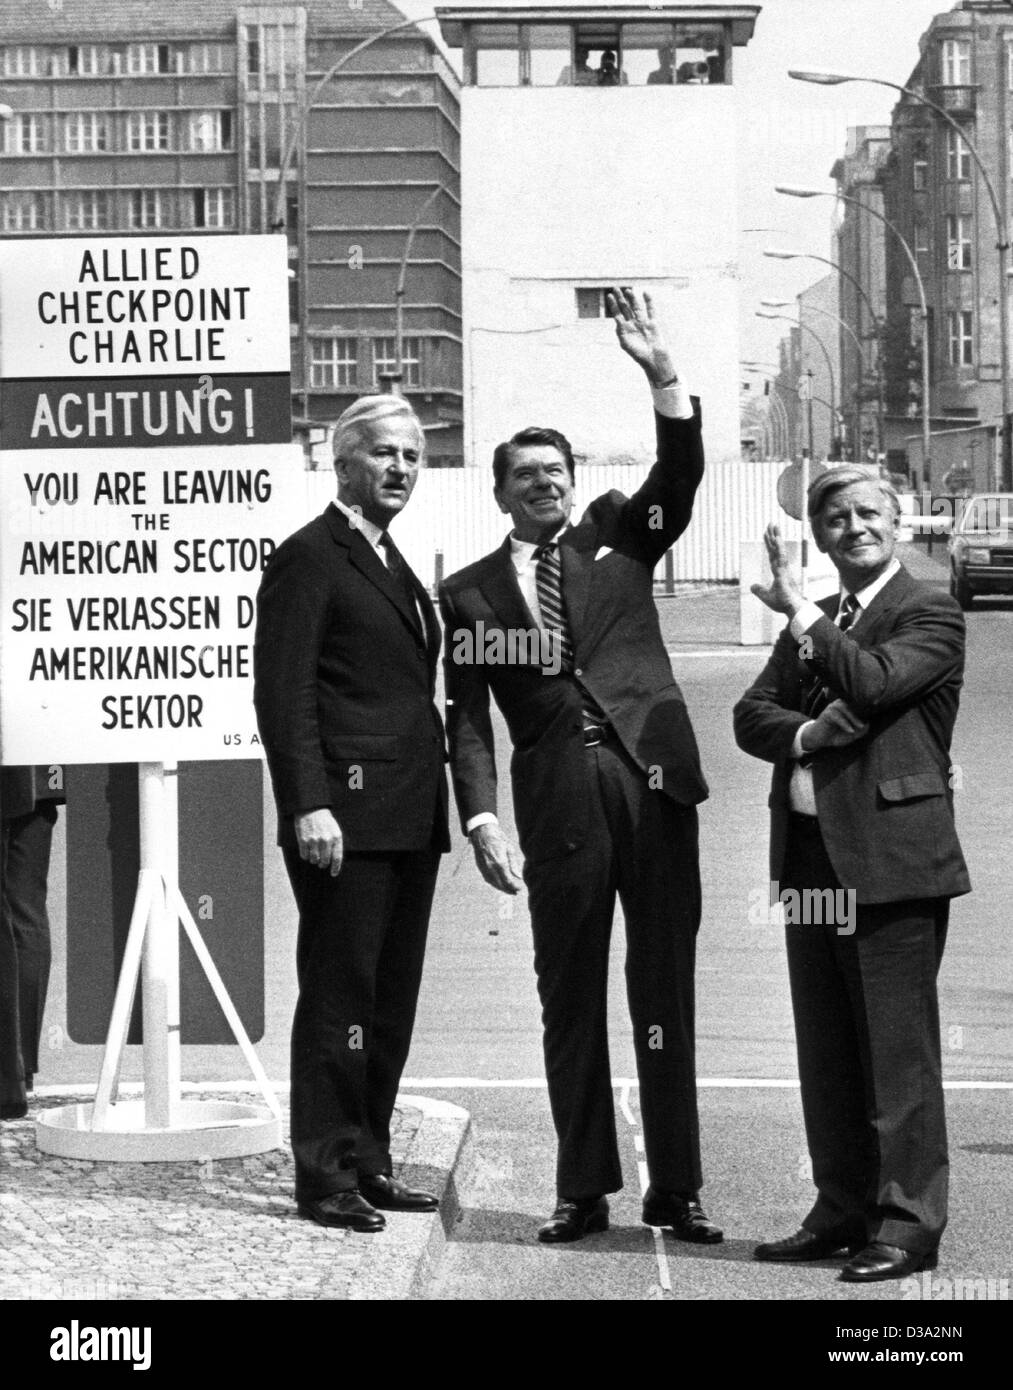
column 801, row 793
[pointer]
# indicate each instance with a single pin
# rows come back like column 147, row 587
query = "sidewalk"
column 221, row 1229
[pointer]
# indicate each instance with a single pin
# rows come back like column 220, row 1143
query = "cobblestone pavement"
column 217, row 1229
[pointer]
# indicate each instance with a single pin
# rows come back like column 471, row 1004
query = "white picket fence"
column 453, row 515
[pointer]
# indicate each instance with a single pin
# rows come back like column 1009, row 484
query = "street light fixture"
column 797, row 323
column 826, row 78
column 780, row 255
column 859, row 346
column 780, row 418
column 794, row 191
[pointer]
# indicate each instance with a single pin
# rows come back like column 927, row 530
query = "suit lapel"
column 503, row 592
column 577, row 559
column 365, row 559
column 892, row 594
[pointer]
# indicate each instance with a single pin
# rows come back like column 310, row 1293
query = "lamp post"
column 826, row 78
column 776, row 412
column 399, row 291
column 792, row 191
column 779, row 255
column 797, row 323
column 859, row 347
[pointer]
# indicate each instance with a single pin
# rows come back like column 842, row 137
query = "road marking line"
column 761, row 649
column 624, row 1104
column 481, row 1083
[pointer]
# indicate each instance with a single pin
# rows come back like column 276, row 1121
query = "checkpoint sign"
column 133, row 342
column 127, row 597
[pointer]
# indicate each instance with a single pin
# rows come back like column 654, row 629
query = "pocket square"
column 603, row 550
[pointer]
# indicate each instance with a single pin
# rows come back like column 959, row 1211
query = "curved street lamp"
column 859, row 346
column 825, row 78
column 793, row 191
column 805, row 328
column 779, row 255
column 778, row 417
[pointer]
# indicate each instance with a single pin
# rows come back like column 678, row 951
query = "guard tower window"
column 546, row 56
column 603, row 66
column 496, row 52
column 701, row 54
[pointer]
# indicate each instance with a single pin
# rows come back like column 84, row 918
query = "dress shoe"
column 388, row 1194
column 575, row 1218
column 348, row 1209
column 803, row 1245
column 879, row 1261
column 683, row 1214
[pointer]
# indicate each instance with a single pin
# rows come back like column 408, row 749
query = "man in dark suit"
column 345, row 658
column 28, row 800
column 856, row 709
column 606, row 780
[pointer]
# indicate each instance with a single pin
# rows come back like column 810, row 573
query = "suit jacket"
column 343, row 687
column 619, row 658
column 884, row 802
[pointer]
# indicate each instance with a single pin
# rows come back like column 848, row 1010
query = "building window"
column 84, row 132
column 921, row 239
column 958, row 156
column 333, row 362
column 145, row 58
column 916, row 325
column 920, row 169
column 214, row 207
column 22, row 61
column 958, row 242
column 83, row 60
column 385, row 361
column 960, row 324
column 208, row 58
column 30, row 135
column 210, row 131
column 87, row 211
column 591, row 301
column 24, row 212
column 497, row 56
column 956, row 63
column 148, row 130
column 146, row 208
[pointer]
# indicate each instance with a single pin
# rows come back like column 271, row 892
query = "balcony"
column 958, row 101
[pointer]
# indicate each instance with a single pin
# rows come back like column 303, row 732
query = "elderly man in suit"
column 606, row 780
column 28, row 800
column 345, row 659
column 856, row 709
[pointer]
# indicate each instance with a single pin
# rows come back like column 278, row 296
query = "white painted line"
column 482, row 1083
column 763, row 651
column 638, row 1143
column 624, row 1104
column 657, row 1235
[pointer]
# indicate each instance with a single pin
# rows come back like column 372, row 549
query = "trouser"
column 644, row 847
column 25, row 951
column 867, row 1032
column 359, row 955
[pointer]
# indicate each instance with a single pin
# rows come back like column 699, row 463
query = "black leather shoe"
column 879, row 1261
column 348, row 1209
column 390, row 1195
column 803, row 1245
column 14, row 1110
column 573, row 1219
column 684, row 1215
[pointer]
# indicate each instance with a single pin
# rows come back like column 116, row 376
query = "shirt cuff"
column 483, row 818
column 797, row 751
column 803, row 620
column 673, row 401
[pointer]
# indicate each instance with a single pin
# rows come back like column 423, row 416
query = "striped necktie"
column 819, row 696
column 549, row 587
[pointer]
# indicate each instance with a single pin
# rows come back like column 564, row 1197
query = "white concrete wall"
column 570, row 186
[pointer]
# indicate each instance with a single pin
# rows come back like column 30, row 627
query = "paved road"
column 478, row 1016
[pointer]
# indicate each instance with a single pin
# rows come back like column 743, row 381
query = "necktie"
column 549, row 587
column 819, row 696
column 399, row 572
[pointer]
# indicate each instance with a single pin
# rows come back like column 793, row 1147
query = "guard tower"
column 598, row 148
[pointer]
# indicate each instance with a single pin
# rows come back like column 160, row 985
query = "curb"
column 405, row 1258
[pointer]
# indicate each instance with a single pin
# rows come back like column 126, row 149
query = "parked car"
column 981, row 548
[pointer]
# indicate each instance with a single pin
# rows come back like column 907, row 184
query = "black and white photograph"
column 506, row 594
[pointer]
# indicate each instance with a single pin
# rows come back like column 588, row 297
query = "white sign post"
column 147, row 479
